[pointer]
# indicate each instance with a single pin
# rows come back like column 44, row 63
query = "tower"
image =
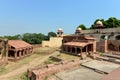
column 59, row 32
column 78, row 31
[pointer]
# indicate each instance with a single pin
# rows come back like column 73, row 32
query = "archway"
column 68, row 49
column 73, row 50
column 111, row 46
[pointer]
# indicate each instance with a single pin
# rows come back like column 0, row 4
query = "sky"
column 43, row 16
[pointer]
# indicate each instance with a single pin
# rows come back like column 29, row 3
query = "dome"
column 99, row 23
column 79, row 29
column 60, row 29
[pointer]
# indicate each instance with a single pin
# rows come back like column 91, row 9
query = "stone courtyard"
column 92, row 70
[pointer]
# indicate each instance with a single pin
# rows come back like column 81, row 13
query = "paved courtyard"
column 87, row 73
column 101, row 65
column 81, row 73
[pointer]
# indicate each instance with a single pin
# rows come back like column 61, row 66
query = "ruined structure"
column 78, row 43
column 43, row 72
column 3, row 51
column 54, row 41
column 99, row 39
column 18, row 49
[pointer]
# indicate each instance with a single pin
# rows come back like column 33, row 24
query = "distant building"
column 78, row 43
column 18, row 49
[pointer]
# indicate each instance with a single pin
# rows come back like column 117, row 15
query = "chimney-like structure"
column 59, row 32
column 78, row 31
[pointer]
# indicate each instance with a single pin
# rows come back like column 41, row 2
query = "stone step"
column 114, row 60
column 111, row 55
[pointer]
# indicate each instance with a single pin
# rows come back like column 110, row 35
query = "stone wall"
column 53, row 42
column 43, row 72
column 107, row 30
column 102, row 46
column 115, row 43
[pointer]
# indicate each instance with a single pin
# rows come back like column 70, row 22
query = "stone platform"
column 105, row 67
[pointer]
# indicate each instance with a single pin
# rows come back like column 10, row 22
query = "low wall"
column 43, row 72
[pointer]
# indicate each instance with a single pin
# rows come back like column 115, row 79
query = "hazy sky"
column 43, row 16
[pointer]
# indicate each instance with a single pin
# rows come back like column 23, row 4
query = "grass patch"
column 50, row 61
column 39, row 53
column 67, row 57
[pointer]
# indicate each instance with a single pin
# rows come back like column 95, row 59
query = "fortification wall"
column 43, row 72
column 107, row 30
column 53, row 42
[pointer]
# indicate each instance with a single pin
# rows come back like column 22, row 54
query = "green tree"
column 82, row 26
column 52, row 34
column 113, row 22
column 34, row 38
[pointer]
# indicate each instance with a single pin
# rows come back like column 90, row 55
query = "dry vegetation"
column 17, row 70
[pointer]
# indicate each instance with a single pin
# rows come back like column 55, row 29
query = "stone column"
column 27, row 51
column 86, row 50
column 20, row 53
column 15, row 55
column 66, row 48
column 80, row 50
column 94, row 46
column 106, row 46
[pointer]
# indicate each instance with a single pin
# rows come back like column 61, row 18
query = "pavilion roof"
column 80, row 44
column 18, row 44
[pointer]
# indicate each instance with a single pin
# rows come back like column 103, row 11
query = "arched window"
column 103, row 36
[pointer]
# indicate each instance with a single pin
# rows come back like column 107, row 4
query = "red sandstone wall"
column 116, row 44
column 102, row 46
column 42, row 73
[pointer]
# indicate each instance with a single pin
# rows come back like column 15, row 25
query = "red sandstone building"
column 77, row 44
column 81, row 43
column 18, row 49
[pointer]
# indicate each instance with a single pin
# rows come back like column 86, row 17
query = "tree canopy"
column 82, row 26
column 52, row 34
column 32, row 38
column 111, row 22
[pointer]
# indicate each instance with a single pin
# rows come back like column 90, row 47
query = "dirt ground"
column 13, row 69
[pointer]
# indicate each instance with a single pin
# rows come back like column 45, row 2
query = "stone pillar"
column 20, row 53
column 105, row 46
column 66, row 48
column 31, row 50
column 80, row 50
column 27, row 51
column 23, row 52
column 15, row 55
column 94, row 46
column 75, row 50
column 86, row 48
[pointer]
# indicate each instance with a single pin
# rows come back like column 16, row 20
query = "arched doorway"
column 78, row 50
column 110, row 46
column 90, row 47
column 68, row 48
column 73, row 50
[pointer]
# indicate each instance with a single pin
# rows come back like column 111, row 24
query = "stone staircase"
column 115, row 58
